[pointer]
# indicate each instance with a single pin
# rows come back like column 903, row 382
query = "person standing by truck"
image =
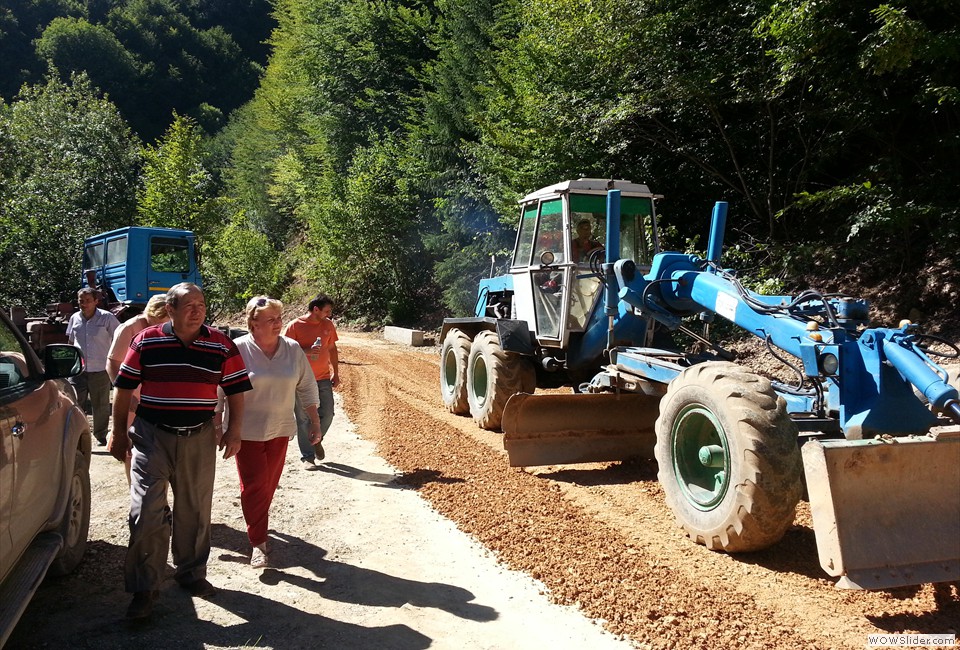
column 91, row 329
column 317, row 335
column 178, row 366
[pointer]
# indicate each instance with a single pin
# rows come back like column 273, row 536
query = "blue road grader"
column 869, row 431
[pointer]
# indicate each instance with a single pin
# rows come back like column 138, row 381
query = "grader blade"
column 585, row 428
column 886, row 512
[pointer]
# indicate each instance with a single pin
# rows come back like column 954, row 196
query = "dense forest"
column 375, row 150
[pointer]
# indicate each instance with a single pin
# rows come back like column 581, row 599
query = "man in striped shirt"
column 178, row 366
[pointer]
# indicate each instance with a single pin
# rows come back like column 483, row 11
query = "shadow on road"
column 79, row 612
column 347, row 471
column 351, row 584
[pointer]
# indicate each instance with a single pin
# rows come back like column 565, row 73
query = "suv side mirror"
column 62, row 360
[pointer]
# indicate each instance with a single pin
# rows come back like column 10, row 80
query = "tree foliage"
column 152, row 57
column 178, row 189
column 69, row 170
column 242, row 264
column 386, row 144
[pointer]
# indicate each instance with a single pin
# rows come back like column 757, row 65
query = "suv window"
column 13, row 364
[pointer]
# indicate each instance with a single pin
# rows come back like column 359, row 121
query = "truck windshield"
column 93, row 256
column 170, row 254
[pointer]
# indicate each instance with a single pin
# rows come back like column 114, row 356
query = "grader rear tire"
column 454, row 354
column 493, row 377
column 729, row 462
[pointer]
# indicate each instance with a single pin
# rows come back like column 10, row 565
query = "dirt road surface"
column 363, row 563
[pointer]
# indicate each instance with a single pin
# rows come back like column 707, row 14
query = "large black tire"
column 493, row 377
column 76, row 519
column 729, row 461
column 454, row 354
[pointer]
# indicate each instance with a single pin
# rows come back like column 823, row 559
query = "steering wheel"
column 595, row 259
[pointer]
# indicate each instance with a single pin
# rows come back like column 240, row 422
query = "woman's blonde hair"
column 258, row 304
column 156, row 308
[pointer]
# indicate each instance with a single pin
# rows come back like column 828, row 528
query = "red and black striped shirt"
column 179, row 382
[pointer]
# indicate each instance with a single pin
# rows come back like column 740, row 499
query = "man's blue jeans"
column 325, row 386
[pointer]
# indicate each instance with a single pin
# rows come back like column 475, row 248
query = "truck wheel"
column 76, row 520
column 454, row 354
column 494, row 376
column 729, row 460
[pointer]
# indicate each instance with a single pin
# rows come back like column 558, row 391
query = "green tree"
column 243, row 264
column 367, row 244
column 183, row 67
column 884, row 82
column 462, row 228
column 338, row 89
column 69, row 170
column 74, row 45
column 178, row 189
column 21, row 22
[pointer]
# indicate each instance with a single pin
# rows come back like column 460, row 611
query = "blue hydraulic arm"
column 865, row 378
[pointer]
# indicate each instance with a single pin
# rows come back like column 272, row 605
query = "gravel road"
column 361, row 562
column 433, row 541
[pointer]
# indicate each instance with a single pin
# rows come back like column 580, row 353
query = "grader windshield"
column 561, row 243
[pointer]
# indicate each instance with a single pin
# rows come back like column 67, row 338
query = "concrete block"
column 403, row 335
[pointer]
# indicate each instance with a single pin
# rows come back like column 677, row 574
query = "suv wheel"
column 76, row 520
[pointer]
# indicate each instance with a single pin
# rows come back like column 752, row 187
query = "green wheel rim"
column 449, row 371
column 480, row 380
column 696, row 428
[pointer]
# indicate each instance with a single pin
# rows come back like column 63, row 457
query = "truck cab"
column 134, row 263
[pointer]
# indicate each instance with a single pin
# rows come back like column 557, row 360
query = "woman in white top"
column 280, row 373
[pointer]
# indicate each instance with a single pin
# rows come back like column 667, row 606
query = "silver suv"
column 44, row 469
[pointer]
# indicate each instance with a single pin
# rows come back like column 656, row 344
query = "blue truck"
column 134, row 263
column 128, row 265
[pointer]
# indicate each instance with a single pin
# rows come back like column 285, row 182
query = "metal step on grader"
column 870, row 428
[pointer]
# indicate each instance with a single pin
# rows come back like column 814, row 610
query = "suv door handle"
column 18, row 429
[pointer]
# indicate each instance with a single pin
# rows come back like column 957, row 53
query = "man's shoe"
column 142, row 604
column 200, row 588
column 308, row 464
column 102, row 442
column 318, row 449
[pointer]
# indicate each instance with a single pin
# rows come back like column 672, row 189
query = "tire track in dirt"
column 601, row 538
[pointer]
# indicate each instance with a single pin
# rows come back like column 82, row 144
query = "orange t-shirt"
column 306, row 333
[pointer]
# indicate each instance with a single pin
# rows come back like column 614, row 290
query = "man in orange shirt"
column 317, row 335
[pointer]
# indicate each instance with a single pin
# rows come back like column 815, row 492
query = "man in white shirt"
column 91, row 329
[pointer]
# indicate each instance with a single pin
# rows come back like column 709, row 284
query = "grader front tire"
column 493, row 377
column 729, row 462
